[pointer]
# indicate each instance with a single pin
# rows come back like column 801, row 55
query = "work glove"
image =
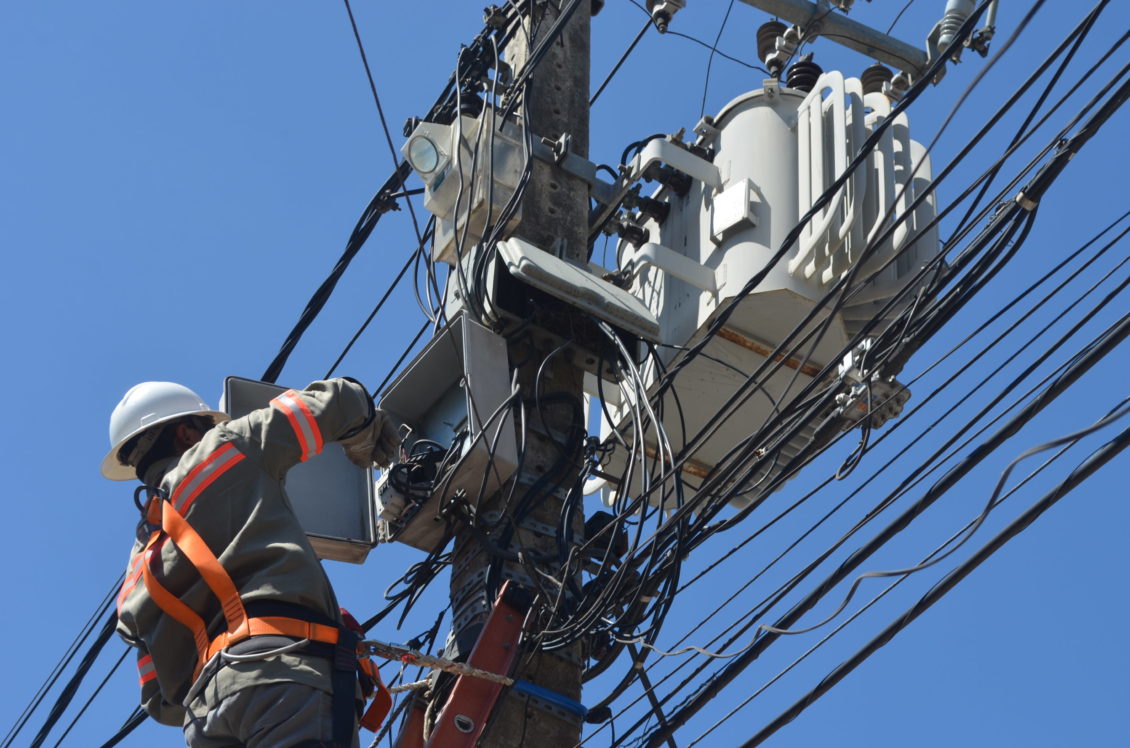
column 378, row 443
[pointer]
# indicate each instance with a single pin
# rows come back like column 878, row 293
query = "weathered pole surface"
column 554, row 218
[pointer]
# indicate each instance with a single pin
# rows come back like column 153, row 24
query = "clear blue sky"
column 176, row 179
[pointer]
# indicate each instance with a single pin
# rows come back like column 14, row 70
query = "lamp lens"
column 423, row 154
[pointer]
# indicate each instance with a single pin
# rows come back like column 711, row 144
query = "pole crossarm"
column 819, row 20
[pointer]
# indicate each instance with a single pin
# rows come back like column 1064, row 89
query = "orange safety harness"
column 171, row 524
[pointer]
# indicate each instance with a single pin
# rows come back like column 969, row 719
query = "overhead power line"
column 1083, row 363
column 68, row 692
column 611, row 74
column 1097, row 460
column 381, row 203
column 636, row 592
column 104, row 607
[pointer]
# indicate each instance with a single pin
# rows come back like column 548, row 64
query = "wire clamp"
column 560, row 147
column 385, row 203
column 1025, row 202
column 551, row 702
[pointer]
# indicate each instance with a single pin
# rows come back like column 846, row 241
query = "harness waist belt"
column 272, row 625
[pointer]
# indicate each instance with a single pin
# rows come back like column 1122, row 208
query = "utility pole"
column 555, row 218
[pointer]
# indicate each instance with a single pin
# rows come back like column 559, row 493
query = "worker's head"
column 155, row 420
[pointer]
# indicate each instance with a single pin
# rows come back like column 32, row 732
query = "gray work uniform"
column 229, row 488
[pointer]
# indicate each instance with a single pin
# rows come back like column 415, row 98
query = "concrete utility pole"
column 554, row 217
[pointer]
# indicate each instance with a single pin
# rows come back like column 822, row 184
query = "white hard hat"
column 147, row 405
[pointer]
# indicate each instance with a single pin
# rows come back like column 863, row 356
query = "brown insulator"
column 874, row 77
column 767, row 39
column 804, row 74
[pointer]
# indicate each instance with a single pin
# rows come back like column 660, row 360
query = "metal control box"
column 455, row 392
column 332, row 498
column 471, row 170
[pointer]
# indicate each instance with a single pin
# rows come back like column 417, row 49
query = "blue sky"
column 177, row 179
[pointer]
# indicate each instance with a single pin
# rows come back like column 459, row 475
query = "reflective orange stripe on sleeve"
column 302, row 421
column 200, row 477
column 145, row 669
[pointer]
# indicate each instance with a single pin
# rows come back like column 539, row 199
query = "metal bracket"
column 560, row 147
column 850, row 33
column 479, row 577
column 557, row 152
column 665, row 151
column 555, row 708
column 672, row 263
column 474, row 608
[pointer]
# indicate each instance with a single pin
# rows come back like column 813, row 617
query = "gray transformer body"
column 776, row 151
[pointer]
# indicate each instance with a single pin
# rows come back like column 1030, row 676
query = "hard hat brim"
column 113, row 469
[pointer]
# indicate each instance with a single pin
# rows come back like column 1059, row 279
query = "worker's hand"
column 378, row 443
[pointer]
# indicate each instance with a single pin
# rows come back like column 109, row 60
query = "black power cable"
column 1083, row 363
column 988, row 267
column 93, row 695
column 88, row 628
column 615, row 68
column 1098, row 459
column 68, row 692
column 381, row 203
column 132, row 723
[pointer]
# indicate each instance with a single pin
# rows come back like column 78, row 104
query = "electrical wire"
column 615, row 68
column 899, row 15
column 88, row 628
column 380, row 204
column 951, row 545
column 881, row 595
column 712, row 47
column 710, row 57
column 93, row 695
column 135, row 720
column 1097, row 460
column 68, row 692
column 1083, row 362
column 380, row 304
column 751, row 617
column 397, row 162
column 651, row 567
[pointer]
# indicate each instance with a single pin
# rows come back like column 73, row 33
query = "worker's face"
column 186, row 437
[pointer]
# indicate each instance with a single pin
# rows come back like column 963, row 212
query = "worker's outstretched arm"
column 299, row 423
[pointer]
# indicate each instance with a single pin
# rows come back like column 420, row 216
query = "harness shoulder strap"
column 215, row 576
column 171, row 605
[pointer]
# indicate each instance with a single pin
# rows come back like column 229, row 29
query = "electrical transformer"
column 755, row 170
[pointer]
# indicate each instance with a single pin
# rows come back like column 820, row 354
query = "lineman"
column 238, row 634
